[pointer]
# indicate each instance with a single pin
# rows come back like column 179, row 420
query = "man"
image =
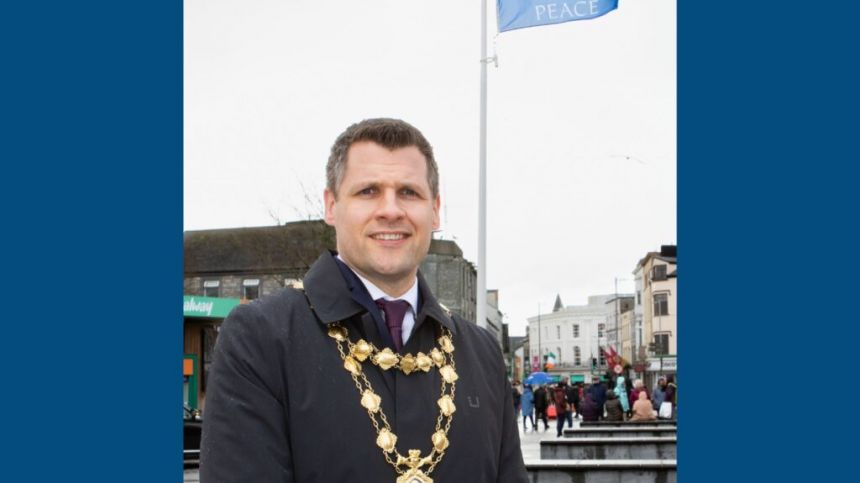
column 353, row 377
column 573, row 400
column 541, row 405
column 598, row 394
column 659, row 393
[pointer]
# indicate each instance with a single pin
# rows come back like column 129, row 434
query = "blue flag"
column 517, row 14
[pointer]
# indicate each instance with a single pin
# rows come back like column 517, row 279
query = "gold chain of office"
column 356, row 353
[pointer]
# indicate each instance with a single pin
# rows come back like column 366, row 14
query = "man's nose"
column 389, row 206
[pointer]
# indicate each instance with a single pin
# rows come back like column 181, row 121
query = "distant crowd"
column 626, row 401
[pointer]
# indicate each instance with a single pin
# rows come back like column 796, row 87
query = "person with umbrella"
column 527, row 404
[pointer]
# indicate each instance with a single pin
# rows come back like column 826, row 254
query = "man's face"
column 384, row 214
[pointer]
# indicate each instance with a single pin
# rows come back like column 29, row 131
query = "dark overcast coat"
column 281, row 408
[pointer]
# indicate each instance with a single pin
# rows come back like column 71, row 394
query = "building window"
column 658, row 273
column 558, row 332
column 577, row 356
column 576, row 331
column 602, row 356
column 661, row 304
column 211, row 288
column 600, row 329
column 661, row 344
column 251, row 288
column 638, row 297
column 558, row 361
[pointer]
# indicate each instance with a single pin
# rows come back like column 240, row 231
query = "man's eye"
column 367, row 191
column 408, row 192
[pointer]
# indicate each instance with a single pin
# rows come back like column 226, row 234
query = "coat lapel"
column 337, row 295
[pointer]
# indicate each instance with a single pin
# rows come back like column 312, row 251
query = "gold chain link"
column 436, row 456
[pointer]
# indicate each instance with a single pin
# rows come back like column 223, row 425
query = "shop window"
column 211, row 288
column 251, row 288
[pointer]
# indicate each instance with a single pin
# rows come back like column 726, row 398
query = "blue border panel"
column 91, row 193
column 768, row 197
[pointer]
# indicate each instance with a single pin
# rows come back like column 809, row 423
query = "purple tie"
column 394, row 311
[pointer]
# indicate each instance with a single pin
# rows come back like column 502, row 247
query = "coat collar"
column 331, row 298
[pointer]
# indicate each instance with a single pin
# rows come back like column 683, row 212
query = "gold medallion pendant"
column 354, row 354
column 414, row 462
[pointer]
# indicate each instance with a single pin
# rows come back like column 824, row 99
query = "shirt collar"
column 376, row 293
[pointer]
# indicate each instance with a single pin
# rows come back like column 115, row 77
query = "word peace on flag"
column 517, row 14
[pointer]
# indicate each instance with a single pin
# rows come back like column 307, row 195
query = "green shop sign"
column 194, row 306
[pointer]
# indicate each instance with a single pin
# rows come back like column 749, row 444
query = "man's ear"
column 329, row 200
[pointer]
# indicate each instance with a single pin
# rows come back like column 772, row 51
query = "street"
column 529, row 442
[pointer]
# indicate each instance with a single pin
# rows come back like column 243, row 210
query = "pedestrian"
column 561, row 407
column 352, row 376
column 614, row 411
column 671, row 394
column 658, row 393
column 598, row 394
column 638, row 386
column 590, row 410
column 573, row 401
column 580, row 390
column 541, row 404
column 643, row 410
column 621, row 392
column 568, row 416
column 527, row 404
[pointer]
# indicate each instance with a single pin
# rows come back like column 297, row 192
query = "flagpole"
column 481, row 317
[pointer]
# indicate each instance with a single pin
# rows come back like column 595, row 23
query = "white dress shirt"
column 411, row 297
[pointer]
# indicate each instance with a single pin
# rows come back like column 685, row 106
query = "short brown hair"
column 388, row 133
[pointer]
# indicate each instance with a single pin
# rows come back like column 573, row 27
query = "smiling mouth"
column 389, row 236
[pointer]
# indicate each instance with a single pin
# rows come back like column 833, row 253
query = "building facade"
column 574, row 334
column 617, row 305
column 495, row 317
column 659, row 271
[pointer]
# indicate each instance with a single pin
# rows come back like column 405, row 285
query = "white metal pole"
column 481, row 298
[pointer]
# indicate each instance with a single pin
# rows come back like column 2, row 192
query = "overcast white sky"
column 269, row 85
